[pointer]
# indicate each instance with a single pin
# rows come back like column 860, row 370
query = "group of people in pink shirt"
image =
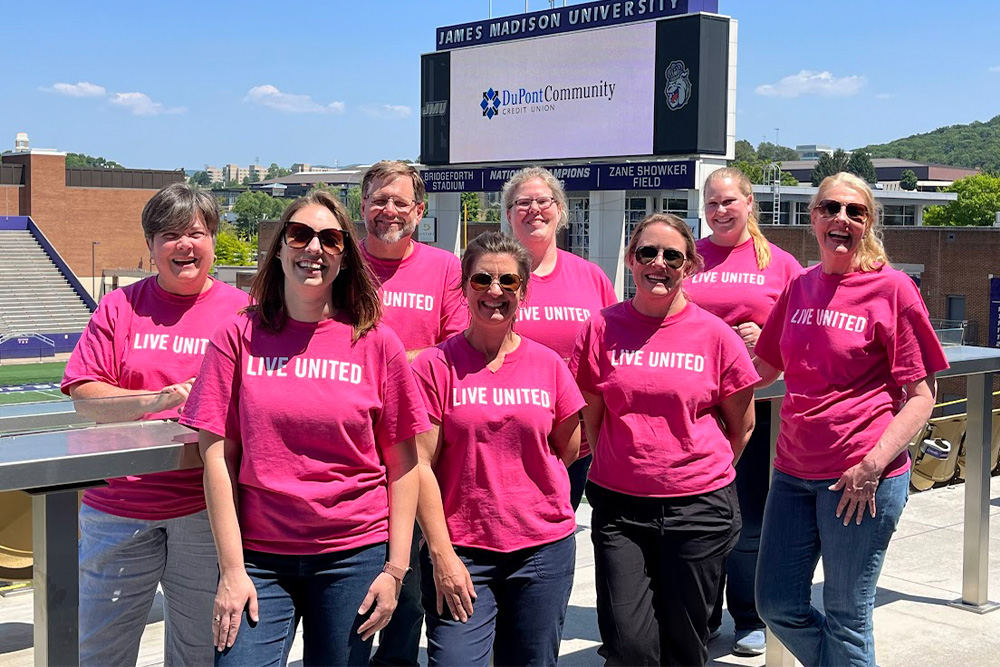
column 393, row 438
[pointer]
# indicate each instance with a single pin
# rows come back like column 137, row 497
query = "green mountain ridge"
column 974, row 145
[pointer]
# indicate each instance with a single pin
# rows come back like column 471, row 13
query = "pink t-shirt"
column 733, row 288
column 314, row 412
column 558, row 304
column 847, row 345
column 662, row 381
column 421, row 295
column 144, row 338
column 503, row 486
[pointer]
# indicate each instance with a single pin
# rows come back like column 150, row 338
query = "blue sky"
column 184, row 84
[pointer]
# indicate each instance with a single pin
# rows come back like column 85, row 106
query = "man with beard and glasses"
column 419, row 286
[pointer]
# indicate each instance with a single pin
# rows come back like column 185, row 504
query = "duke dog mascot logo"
column 678, row 90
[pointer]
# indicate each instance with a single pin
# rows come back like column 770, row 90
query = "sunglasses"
column 647, row 254
column 831, row 207
column 481, row 282
column 298, row 235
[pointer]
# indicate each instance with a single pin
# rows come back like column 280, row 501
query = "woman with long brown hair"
column 307, row 411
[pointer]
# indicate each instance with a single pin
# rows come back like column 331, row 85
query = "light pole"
column 93, row 268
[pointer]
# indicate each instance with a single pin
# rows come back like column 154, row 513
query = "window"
column 578, row 236
column 899, row 215
column 678, row 207
column 635, row 211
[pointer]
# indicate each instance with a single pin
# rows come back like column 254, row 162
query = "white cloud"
column 885, row 96
column 994, row 68
column 140, row 104
column 806, row 82
column 389, row 111
column 81, row 89
column 269, row 96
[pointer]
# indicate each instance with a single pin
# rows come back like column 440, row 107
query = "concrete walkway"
column 913, row 623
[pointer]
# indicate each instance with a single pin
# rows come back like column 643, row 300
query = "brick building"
column 77, row 207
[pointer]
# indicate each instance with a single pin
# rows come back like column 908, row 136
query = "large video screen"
column 546, row 97
column 641, row 89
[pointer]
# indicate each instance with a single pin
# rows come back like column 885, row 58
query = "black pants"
column 399, row 642
column 657, row 564
column 578, row 479
column 752, row 481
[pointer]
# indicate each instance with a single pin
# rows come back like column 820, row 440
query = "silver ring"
column 217, row 619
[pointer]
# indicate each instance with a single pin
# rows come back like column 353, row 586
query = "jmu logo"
column 490, row 104
column 678, row 90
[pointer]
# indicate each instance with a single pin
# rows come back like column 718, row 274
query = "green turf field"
column 9, row 398
column 49, row 371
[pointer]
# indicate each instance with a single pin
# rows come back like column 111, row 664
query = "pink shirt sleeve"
column 769, row 341
column 97, row 357
column 431, row 373
column 914, row 350
column 403, row 414
column 584, row 362
column 213, row 405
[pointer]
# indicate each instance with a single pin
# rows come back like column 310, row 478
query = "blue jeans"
column 324, row 590
column 520, row 607
column 800, row 526
column 122, row 561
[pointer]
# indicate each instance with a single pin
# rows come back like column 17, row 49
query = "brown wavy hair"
column 353, row 292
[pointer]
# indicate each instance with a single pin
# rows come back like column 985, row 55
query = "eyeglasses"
column 647, row 254
column 831, row 207
column 483, row 281
column 400, row 204
column 298, row 235
column 524, row 203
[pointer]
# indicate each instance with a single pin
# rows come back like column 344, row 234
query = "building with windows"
column 930, row 177
column 812, row 152
column 234, row 172
column 901, row 208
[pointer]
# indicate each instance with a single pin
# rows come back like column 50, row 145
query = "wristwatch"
column 394, row 571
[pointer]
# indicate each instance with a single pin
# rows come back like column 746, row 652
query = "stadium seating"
column 35, row 297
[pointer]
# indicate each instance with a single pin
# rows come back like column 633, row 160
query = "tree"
column 768, row 152
column 977, row 204
column 354, row 202
column 908, row 180
column 274, row 171
column 252, row 207
column 829, row 165
column 83, row 160
column 231, row 250
column 201, row 178
column 471, row 206
column 745, row 151
column 860, row 164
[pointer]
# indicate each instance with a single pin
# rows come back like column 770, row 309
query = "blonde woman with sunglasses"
column 859, row 354
column 307, row 412
column 497, row 568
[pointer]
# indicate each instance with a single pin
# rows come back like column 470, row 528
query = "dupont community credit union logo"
column 491, row 103
column 678, row 89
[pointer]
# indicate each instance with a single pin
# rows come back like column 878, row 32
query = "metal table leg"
column 776, row 655
column 56, row 578
column 976, row 540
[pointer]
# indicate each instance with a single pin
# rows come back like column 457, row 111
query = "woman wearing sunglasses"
column 669, row 391
column 565, row 289
column 497, row 568
column 859, row 355
column 307, row 412
column 742, row 278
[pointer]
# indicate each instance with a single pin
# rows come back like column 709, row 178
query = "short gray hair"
column 174, row 207
column 512, row 185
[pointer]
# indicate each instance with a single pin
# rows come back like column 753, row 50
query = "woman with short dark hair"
column 307, row 411
column 136, row 360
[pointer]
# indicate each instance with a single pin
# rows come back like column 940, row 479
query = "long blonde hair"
column 871, row 253
column 761, row 247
